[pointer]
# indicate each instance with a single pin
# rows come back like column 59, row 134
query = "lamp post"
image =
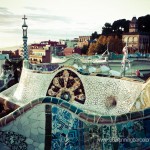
column 25, row 48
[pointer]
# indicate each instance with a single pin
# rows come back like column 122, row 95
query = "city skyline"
column 54, row 20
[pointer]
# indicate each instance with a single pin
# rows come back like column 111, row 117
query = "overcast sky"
column 62, row 19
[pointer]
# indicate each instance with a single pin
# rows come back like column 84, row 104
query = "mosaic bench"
column 52, row 123
column 75, row 112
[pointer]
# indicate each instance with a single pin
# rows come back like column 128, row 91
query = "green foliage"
column 144, row 23
column 94, row 36
column 107, row 29
column 118, row 27
column 122, row 25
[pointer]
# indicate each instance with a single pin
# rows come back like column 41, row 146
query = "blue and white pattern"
column 67, row 131
column 25, row 49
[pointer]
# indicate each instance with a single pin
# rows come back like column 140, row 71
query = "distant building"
column 41, row 52
column 11, row 54
column 70, row 43
column 40, row 56
column 137, row 41
column 58, row 49
column 3, row 56
column 83, row 40
column 69, row 51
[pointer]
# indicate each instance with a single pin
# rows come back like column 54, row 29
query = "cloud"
column 49, row 34
column 43, row 14
column 49, row 18
column 57, row 34
column 4, row 10
column 35, row 8
column 11, row 31
column 42, row 25
column 8, row 18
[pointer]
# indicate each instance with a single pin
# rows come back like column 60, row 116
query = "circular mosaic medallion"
column 68, row 86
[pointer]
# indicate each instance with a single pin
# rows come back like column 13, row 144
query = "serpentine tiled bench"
column 64, row 109
column 51, row 118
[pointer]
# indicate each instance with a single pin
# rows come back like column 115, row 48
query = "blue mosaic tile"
column 60, row 101
column 124, row 117
column 66, row 130
column 147, row 112
column 55, row 100
column 128, row 116
column 47, row 100
column 131, row 130
column 118, row 119
column 147, row 127
column 113, row 118
column 78, row 111
column 73, row 108
column 136, row 115
column 106, row 119
column 65, row 105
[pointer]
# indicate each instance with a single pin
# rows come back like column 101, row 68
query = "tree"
column 94, row 35
column 101, row 44
column 98, row 47
column 121, row 25
column 144, row 23
column 114, row 45
column 91, row 49
column 84, row 49
column 106, row 29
